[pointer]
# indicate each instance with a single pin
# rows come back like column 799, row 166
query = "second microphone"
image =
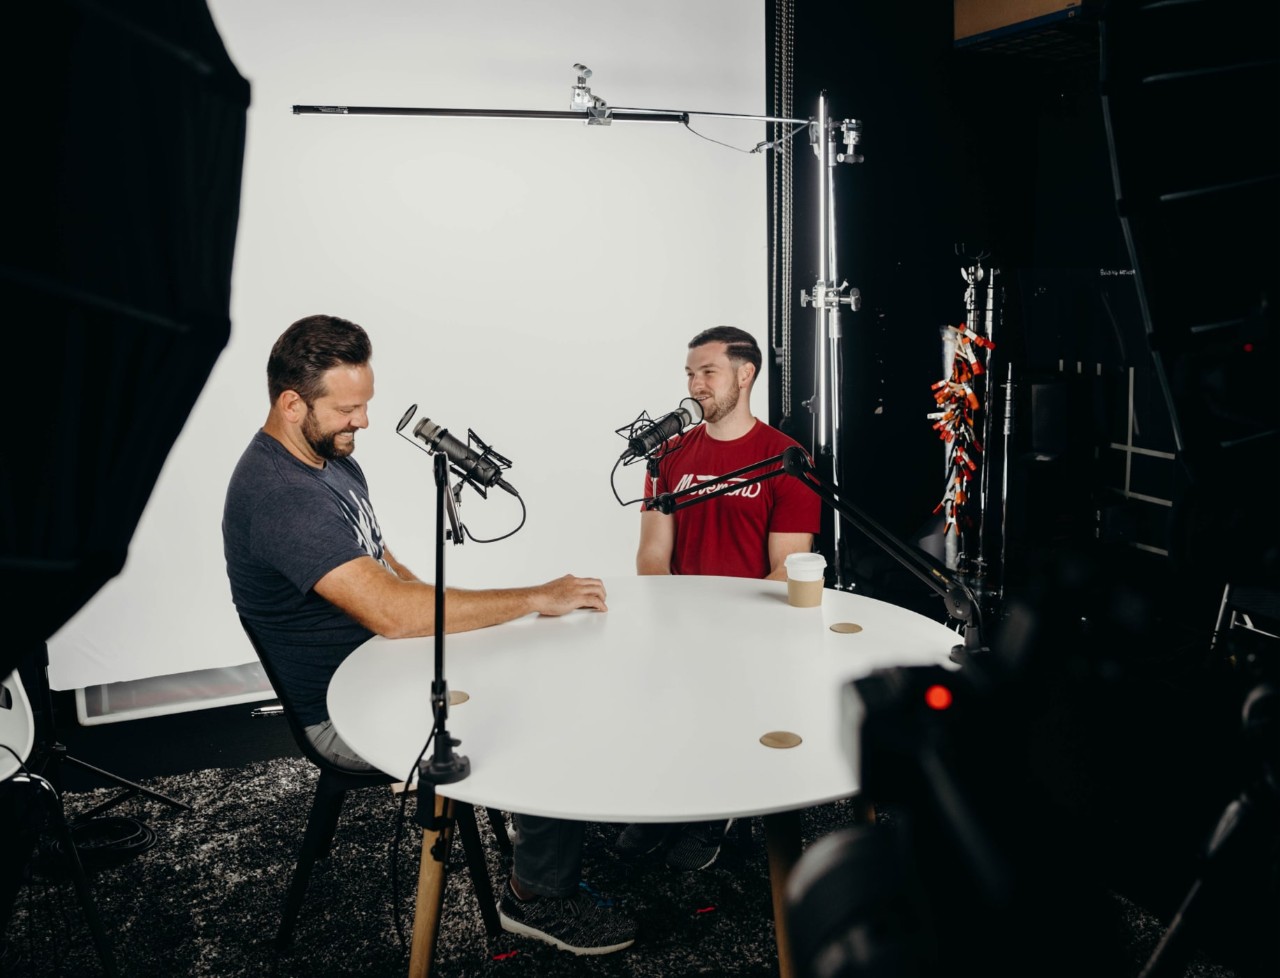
column 656, row 434
column 471, row 465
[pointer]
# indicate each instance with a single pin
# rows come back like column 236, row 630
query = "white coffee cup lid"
column 805, row 567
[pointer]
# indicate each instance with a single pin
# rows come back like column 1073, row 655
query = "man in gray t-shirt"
column 286, row 526
column 313, row 578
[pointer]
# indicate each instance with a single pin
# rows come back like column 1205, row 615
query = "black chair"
column 322, row 823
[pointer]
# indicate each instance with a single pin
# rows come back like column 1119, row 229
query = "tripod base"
column 130, row 787
column 53, row 754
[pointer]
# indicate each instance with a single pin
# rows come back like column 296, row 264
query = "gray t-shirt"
column 284, row 526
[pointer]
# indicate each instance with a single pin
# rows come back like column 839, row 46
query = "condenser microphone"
column 471, row 465
column 647, row 439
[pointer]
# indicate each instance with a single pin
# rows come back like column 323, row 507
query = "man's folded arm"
column 388, row 604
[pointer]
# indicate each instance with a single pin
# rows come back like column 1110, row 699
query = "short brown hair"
column 739, row 345
column 310, row 347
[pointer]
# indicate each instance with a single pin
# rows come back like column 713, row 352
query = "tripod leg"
column 132, row 789
column 1172, row 953
column 498, row 823
column 473, row 849
column 101, row 942
column 432, row 864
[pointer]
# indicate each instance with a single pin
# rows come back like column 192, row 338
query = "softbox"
column 125, row 159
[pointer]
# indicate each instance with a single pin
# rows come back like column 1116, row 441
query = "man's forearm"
column 391, row 606
column 465, row 610
column 647, row 564
column 414, row 611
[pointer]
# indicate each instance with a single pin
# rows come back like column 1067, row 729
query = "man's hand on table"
column 569, row 593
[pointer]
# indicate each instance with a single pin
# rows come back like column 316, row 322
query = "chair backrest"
column 17, row 725
column 295, row 726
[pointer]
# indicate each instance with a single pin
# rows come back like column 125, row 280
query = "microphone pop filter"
column 693, row 409
column 413, row 409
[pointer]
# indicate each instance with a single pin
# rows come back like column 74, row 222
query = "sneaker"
column 583, row 923
column 697, row 845
column 641, row 839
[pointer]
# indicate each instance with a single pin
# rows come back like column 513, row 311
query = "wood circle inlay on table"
column 780, row 739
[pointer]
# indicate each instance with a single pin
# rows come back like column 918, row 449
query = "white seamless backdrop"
column 534, row 280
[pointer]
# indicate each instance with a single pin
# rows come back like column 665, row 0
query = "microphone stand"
column 446, row 766
column 960, row 601
column 433, row 813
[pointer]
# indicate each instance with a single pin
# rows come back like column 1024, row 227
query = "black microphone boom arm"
column 960, row 602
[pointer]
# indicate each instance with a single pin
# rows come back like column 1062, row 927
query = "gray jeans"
column 324, row 738
column 548, row 851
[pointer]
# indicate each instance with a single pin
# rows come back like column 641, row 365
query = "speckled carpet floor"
column 205, row 899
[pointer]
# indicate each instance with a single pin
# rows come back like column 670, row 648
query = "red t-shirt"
column 729, row 535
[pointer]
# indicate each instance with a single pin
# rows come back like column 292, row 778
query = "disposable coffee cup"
column 804, row 579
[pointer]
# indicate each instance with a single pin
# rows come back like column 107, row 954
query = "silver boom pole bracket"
column 597, row 110
column 832, row 297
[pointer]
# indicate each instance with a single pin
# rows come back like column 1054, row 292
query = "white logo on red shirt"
column 689, row 480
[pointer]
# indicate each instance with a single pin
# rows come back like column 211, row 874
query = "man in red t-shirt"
column 745, row 533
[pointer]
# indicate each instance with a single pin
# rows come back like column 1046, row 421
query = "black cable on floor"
column 106, row 841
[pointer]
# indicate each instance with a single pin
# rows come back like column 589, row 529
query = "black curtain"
column 124, row 199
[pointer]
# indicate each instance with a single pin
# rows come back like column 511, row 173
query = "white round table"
column 652, row 711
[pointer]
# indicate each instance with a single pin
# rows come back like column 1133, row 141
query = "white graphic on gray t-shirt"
column 368, row 533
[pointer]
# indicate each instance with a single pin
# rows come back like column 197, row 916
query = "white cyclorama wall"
column 537, row 281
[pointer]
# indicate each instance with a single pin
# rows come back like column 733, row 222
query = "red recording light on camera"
column 938, row 697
